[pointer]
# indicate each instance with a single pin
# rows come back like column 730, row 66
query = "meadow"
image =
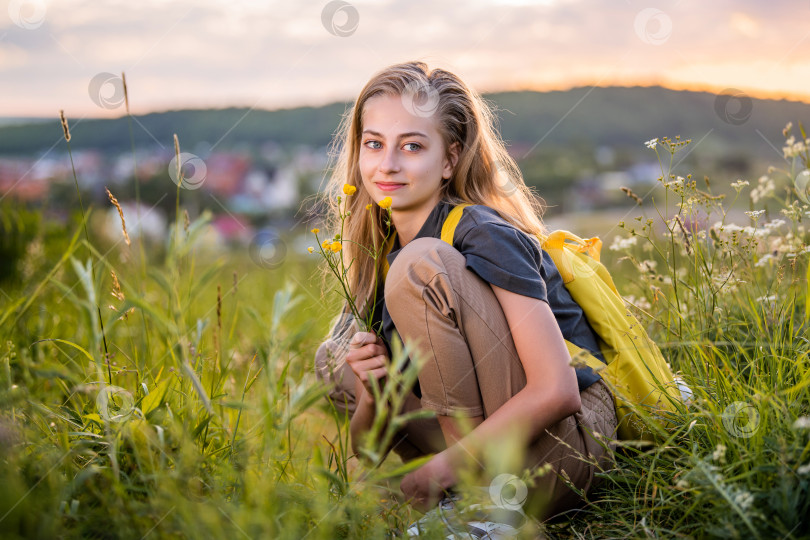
column 169, row 391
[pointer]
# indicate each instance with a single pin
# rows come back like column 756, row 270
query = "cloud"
column 187, row 53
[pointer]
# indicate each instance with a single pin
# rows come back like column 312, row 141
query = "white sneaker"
column 475, row 521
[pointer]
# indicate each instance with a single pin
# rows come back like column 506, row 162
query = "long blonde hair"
column 484, row 173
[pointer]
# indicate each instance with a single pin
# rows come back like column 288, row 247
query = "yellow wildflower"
column 310, row 249
column 335, row 246
column 325, row 244
column 349, row 190
column 385, row 203
column 316, row 231
column 368, row 206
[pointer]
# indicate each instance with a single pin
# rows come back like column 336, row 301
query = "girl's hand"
column 425, row 486
column 368, row 358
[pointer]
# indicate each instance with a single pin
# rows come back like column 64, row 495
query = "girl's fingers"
column 362, row 338
column 365, row 352
column 378, row 374
column 375, row 362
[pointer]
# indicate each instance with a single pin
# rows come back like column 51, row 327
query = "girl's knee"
column 418, row 263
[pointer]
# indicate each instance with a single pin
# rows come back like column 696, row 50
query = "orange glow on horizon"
column 648, row 82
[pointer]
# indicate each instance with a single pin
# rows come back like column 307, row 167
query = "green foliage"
column 201, row 421
column 728, row 304
column 204, row 417
column 18, row 229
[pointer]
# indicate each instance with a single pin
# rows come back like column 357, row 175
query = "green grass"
column 215, row 426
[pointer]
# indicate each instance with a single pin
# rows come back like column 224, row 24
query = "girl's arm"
column 368, row 358
column 363, row 417
column 551, row 394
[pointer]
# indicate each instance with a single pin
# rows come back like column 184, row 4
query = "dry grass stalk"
column 218, row 331
column 65, row 127
column 177, row 157
column 126, row 92
column 118, row 294
column 219, row 308
column 115, row 203
column 629, row 192
column 687, row 243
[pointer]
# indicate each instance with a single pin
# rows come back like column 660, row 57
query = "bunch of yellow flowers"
column 336, row 245
column 328, row 248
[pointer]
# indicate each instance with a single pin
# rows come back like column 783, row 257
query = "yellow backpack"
column 636, row 372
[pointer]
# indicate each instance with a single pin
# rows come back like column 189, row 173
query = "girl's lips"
column 389, row 187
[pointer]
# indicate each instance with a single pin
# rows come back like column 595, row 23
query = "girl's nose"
column 389, row 161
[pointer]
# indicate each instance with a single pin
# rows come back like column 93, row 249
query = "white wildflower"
column 804, row 469
column 743, row 499
column 651, row 143
column 739, row 184
column 774, row 224
column 719, row 454
column 620, row 243
column 731, row 227
column 792, row 212
column 802, row 422
column 647, row 266
column 765, row 260
column 793, row 148
column 754, row 214
column 765, row 187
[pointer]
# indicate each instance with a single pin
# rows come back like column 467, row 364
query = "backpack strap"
column 556, row 241
column 580, row 355
column 384, row 255
column 451, row 222
column 448, row 232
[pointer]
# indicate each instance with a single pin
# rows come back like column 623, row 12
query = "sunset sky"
column 269, row 54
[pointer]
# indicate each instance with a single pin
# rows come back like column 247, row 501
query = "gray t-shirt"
column 505, row 256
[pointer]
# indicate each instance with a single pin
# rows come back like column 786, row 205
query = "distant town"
column 242, row 187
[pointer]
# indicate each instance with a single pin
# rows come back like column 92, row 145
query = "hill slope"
column 612, row 116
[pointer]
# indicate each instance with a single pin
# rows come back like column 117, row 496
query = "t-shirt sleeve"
column 504, row 256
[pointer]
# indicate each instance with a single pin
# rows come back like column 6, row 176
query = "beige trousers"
column 456, row 323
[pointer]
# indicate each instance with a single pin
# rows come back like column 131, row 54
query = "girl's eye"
column 372, row 143
column 416, row 145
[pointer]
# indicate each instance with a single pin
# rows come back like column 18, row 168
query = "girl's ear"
column 451, row 160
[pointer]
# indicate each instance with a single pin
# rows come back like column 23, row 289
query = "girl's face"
column 402, row 156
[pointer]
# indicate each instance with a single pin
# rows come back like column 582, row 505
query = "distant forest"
column 616, row 117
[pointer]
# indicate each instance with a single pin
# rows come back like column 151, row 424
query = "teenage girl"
column 488, row 315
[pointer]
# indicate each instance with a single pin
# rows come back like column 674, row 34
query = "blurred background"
column 255, row 90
